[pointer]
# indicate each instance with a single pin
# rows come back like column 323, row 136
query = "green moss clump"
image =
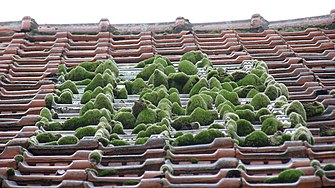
column 91, row 117
column 219, row 100
column 190, row 83
column 181, row 122
column 127, row 119
column 313, row 108
column 122, row 93
column 297, row 107
column 47, row 137
column 259, row 101
column 184, row 140
column 118, row 128
column 62, row 69
column 101, row 80
column 207, row 136
column 19, row 158
column 108, row 64
column 326, row 131
column 137, row 86
column 329, row 167
column 86, row 97
column 86, row 107
column 45, row 112
column 148, row 70
column 83, row 82
column 231, row 96
column 250, row 79
column 284, row 90
column 178, row 80
column 197, row 87
column 53, row 126
column 95, row 157
column 252, row 93
column 68, row 85
column 244, row 107
column 193, row 56
column 169, row 69
column 177, row 109
column 102, row 101
column 216, row 126
column 272, row 92
column 286, row 176
column 159, row 78
column 244, row 127
column 65, row 98
column 296, row 119
column 261, row 112
column 174, row 97
column 239, row 75
column 79, row 73
column 49, row 100
column 10, row 172
column 194, row 102
column 246, row 114
column 140, row 141
column 90, row 66
column 256, row 139
column 224, row 108
column 204, row 62
column 271, row 125
column 304, row 134
column 242, row 91
column 107, row 172
column 85, row 131
column 66, row 140
column 230, row 116
column 146, row 116
column 204, row 117
column 187, row 67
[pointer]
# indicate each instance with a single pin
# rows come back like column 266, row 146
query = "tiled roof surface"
column 302, row 60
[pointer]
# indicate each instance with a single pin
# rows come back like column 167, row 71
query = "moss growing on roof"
column 169, row 69
column 246, row 114
column 86, row 97
column 297, row 107
column 204, row 62
column 177, row 80
column 208, row 100
column 53, row 126
column 197, row 87
column 193, row 56
column 67, row 140
column 91, row 117
column 79, row 73
column 207, row 136
column 187, row 67
column 184, row 140
column 259, row 101
column 159, row 78
column 85, row 131
column 261, row 112
column 238, row 75
column 127, row 119
column 152, row 97
column 214, row 82
column 219, row 100
column 45, row 112
column 146, row 116
column 137, row 86
column 68, row 85
column 326, row 131
column 95, row 157
column 286, row 176
column 230, row 115
column 138, row 128
column 47, row 137
column 252, row 93
column 194, row 102
column 244, row 127
column 62, row 69
column 49, row 100
column 313, row 108
column 177, row 109
column 244, row 107
column 182, row 123
column 242, row 91
column 272, row 92
column 151, row 130
column 140, row 141
column 329, row 167
column 174, row 97
column 231, row 96
column 90, row 66
column 118, row 128
column 304, row 134
column 86, row 107
column 108, row 64
column 256, row 139
column 65, row 98
column 271, row 125
column 204, row 117
column 148, row 70
column 224, row 108
column 250, row 79
column 122, row 93
column 101, row 80
column 296, row 119
column 216, row 126
column 102, row 101
column 190, row 83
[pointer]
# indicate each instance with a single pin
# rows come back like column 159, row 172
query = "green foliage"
column 86, row 107
column 252, row 93
column 148, row 70
column 259, row 101
column 53, row 126
column 216, row 126
column 146, row 116
column 85, row 131
column 10, row 172
column 187, row 67
column 184, row 140
column 122, row 93
column 250, row 79
column 313, row 108
column 242, row 91
column 65, row 140
column 204, row 62
column 174, row 97
column 101, row 80
column 118, row 128
column 204, row 117
column 140, row 141
column 261, row 112
column 86, row 97
column 271, row 125
column 296, row 119
column 194, row 102
column 181, row 122
column 18, row 158
column 169, row 69
column 62, row 69
column 272, row 92
column 119, row 143
column 137, row 86
column 49, row 100
column 177, row 80
column 90, row 66
column 91, row 117
column 207, row 136
column 68, row 85
column 190, row 83
column 47, row 137
column 286, row 176
column 297, row 107
column 159, row 78
column 239, row 75
column 153, row 129
column 244, row 127
column 45, row 112
column 219, row 100
column 108, row 64
column 256, row 139
column 95, row 157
